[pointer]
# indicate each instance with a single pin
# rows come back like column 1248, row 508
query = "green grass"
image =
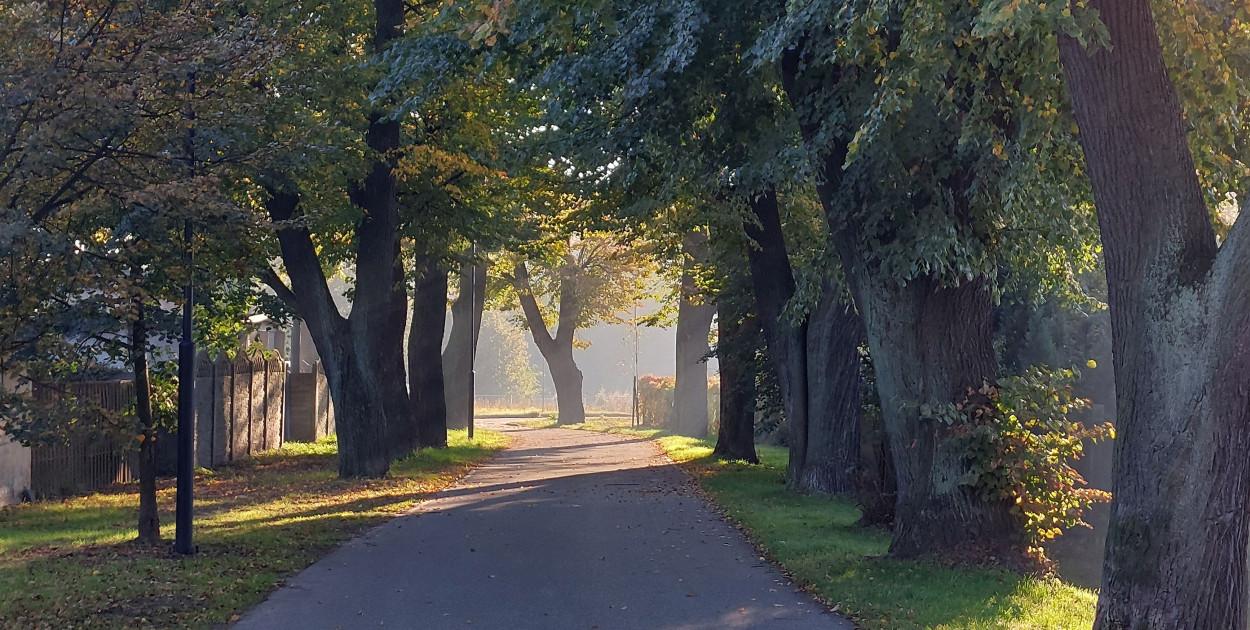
column 71, row 564
column 603, row 424
column 816, row 541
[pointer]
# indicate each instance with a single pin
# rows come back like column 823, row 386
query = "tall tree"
column 738, row 342
column 923, row 124
column 462, row 342
column 694, row 321
column 582, row 281
column 1176, row 554
column 95, row 187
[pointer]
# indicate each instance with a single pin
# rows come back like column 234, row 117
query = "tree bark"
column 360, row 418
column 928, row 342
column 380, row 302
column 738, row 339
column 149, row 518
column 772, row 281
column 568, row 381
column 834, row 333
column 466, row 324
column 816, row 363
column 1176, row 550
column 363, row 353
column 556, row 349
column 694, row 322
column 425, row 360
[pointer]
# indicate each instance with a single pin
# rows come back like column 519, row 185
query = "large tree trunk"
column 149, row 519
column 834, row 333
column 817, row 369
column 425, row 360
column 772, row 282
column 363, row 353
column 380, row 302
column 694, row 322
column 567, row 378
column 360, row 418
column 466, row 325
column 556, row 349
column 738, row 340
column 929, row 344
column 1180, row 314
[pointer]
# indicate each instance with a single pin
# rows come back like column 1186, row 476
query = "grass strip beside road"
column 71, row 563
column 815, row 540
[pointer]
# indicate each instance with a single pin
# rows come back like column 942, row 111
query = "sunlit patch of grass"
column 602, row 424
column 70, row 563
column 817, row 541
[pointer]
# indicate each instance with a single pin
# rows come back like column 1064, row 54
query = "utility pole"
column 185, row 502
column 473, row 317
column 634, row 420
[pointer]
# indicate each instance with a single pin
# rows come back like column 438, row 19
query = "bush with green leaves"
column 1021, row 437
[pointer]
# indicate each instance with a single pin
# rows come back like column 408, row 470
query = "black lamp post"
column 473, row 315
column 183, row 543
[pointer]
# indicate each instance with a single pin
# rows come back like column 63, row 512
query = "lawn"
column 816, row 541
column 71, row 564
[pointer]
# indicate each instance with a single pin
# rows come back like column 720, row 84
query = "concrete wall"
column 239, row 407
column 310, row 413
column 14, row 470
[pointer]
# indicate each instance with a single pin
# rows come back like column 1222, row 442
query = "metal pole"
column 183, row 543
column 634, row 420
column 473, row 315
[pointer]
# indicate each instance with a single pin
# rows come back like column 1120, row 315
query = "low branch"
column 284, row 293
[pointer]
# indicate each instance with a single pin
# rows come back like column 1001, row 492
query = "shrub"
column 655, row 400
column 1021, row 439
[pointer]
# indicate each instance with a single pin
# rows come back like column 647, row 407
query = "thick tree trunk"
column 466, row 324
column 929, row 344
column 694, row 322
column 567, row 378
column 1176, row 554
column 359, row 420
column 425, row 359
column 149, row 519
column 816, row 363
column 834, row 333
column 738, row 339
column 380, row 302
column 557, row 350
column 360, row 417
column 772, row 282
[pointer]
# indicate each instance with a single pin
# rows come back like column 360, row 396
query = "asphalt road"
column 564, row 530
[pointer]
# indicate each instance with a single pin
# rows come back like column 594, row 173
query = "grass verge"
column 816, row 541
column 70, row 564
column 601, row 424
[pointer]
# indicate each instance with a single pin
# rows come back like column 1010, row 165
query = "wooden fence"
column 84, row 464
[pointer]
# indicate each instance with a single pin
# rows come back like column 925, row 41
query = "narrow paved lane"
column 564, row 530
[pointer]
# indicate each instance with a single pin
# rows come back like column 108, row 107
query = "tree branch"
column 284, row 293
column 533, row 315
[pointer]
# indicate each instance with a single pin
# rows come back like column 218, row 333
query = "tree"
column 933, row 135
column 738, row 342
column 104, row 160
column 586, row 280
column 1180, row 310
column 462, row 343
column 694, row 321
